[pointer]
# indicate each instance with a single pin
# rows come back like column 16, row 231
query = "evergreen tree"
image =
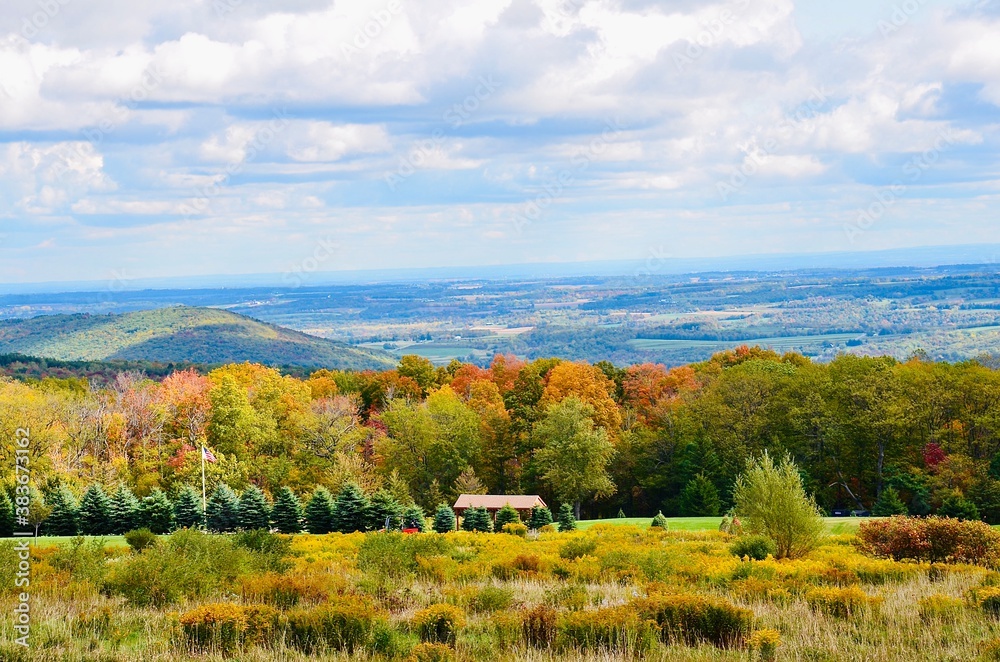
column 444, row 519
column 566, row 519
column 222, row 515
column 985, row 495
column 700, row 498
column 158, row 512
column 505, row 516
column 477, row 519
column 349, row 510
column 287, row 513
column 381, row 507
column 659, row 522
column 188, row 509
column 255, row 513
column 540, row 517
column 64, row 519
column 434, row 494
column 124, row 511
column 95, row 512
column 319, row 511
column 413, row 518
column 957, row 506
column 888, row 504
column 6, row 515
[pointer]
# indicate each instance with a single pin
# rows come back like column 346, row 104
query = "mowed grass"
column 834, row 525
column 786, row 343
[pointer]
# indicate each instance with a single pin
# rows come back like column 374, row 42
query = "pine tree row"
column 97, row 513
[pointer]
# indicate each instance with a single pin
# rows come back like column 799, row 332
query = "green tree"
column 444, row 519
column 888, row 504
column 95, row 512
column 414, row 518
column 540, row 516
column 6, row 515
column 158, row 512
column 566, row 519
column 770, row 500
column 235, row 427
column 64, row 519
column 985, row 495
column 505, row 516
column 477, row 519
column 419, row 370
column 573, row 456
column 382, row 508
column 320, row 511
column 349, row 510
column 957, row 506
column 125, row 511
column 222, row 515
column 659, row 522
column 188, row 509
column 700, row 498
column 255, row 512
column 287, row 513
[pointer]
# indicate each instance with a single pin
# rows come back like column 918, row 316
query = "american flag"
column 207, row 455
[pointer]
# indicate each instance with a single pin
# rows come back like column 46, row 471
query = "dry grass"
column 73, row 619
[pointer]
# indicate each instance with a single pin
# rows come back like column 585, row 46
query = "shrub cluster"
column 438, row 624
column 226, row 627
column 756, row 547
column 841, row 602
column 694, row 618
column 932, row 539
column 615, row 629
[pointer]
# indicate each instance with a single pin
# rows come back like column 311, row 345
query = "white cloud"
column 43, row 178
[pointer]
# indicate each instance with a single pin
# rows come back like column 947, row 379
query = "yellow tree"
column 590, row 386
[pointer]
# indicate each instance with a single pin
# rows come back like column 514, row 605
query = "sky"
column 171, row 138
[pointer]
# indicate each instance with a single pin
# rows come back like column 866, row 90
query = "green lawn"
column 834, row 525
column 48, row 541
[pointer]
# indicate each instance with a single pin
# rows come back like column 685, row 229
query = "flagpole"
column 204, row 501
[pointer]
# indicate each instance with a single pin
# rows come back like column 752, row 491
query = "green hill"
column 197, row 335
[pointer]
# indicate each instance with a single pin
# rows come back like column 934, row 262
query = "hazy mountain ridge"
column 198, row 335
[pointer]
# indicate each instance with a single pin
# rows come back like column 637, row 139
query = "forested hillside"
column 178, row 334
column 640, row 439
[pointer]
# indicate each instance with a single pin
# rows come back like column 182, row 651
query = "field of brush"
column 601, row 593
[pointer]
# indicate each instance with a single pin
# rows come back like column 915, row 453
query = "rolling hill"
column 180, row 334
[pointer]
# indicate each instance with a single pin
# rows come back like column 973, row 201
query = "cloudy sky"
column 188, row 137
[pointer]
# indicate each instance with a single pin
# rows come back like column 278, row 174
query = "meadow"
column 608, row 591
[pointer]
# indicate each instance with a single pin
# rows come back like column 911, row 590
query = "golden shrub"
column 841, row 602
column 439, row 623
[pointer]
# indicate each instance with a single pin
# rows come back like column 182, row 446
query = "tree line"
column 866, row 432
column 99, row 514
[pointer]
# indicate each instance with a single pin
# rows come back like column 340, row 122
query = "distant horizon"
column 180, row 140
column 901, row 258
